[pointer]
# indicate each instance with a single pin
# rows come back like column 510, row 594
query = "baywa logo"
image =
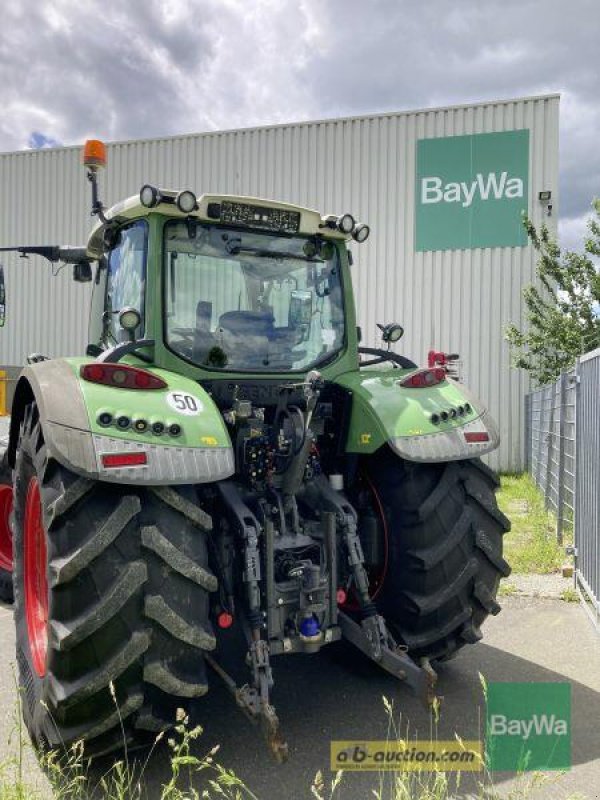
column 544, row 724
column 490, row 186
column 471, row 191
column 528, row 726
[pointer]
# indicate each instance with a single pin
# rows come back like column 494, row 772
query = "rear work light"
column 115, row 460
column 121, row 376
column 476, row 436
column 424, row 378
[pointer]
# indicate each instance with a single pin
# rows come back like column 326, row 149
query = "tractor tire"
column 445, row 561
column 6, row 503
column 111, row 603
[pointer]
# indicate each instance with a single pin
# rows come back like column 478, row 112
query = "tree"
column 563, row 316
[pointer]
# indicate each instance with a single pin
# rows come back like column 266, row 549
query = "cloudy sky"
column 70, row 69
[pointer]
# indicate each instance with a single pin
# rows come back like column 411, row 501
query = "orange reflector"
column 114, row 460
column 94, row 153
column 472, row 437
column 224, row 620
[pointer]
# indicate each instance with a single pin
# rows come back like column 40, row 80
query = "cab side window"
column 126, row 278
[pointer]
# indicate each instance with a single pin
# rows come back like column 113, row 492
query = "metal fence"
column 550, row 446
column 563, row 457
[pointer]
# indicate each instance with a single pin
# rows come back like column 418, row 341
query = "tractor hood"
column 444, row 422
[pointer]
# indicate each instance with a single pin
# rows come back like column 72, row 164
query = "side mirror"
column 2, row 297
column 82, row 272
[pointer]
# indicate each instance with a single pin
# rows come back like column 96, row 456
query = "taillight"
column 424, row 378
column 476, row 436
column 114, row 460
column 121, row 376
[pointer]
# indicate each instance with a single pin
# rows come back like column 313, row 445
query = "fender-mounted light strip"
column 476, row 436
column 115, row 460
column 121, row 376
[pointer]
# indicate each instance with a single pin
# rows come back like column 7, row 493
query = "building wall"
column 456, row 300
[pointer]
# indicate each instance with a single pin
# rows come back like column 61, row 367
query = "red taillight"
column 424, row 378
column 121, row 376
column 476, row 436
column 224, row 620
column 114, row 460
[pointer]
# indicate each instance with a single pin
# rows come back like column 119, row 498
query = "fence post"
column 528, row 433
column 560, row 489
column 550, row 443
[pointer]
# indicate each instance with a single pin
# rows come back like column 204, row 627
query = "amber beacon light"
column 94, row 154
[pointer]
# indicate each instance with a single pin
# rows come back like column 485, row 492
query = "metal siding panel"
column 453, row 300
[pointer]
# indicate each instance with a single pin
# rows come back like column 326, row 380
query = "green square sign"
column 528, row 726
column 471, row 191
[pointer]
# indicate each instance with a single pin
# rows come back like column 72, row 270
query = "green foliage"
column 531, row 546
column 562, row 317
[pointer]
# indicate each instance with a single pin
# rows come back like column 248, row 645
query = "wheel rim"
column 375, row 581
column 35, row 578
column 6, row 554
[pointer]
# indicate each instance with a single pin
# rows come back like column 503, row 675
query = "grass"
column 531, row 545
column 71, row 778
column 569, row 596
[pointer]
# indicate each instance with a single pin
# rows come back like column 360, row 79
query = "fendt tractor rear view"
column 226, row 456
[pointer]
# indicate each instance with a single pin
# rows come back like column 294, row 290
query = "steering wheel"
column 380, row 356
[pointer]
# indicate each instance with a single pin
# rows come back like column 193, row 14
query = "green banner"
column 471, row 191
column 528, row 726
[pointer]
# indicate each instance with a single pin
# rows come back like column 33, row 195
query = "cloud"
column 159, row 67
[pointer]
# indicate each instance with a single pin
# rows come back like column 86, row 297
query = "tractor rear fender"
column 198, row 451
column 444, row 422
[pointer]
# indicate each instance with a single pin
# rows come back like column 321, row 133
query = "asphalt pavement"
column 337, row 694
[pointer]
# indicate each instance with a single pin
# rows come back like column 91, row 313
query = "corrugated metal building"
column 451, row 296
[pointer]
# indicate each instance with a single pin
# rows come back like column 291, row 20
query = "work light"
column 346, row 223
column 129, row 319
column 149, row 196
column 361, row 233
column 186, row 201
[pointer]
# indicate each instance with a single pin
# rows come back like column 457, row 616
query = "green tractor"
column 227, row 455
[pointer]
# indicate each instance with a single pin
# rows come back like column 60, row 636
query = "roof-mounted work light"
column 361, row 232
column 186, row 201
column 149, row 196
column 345, row 223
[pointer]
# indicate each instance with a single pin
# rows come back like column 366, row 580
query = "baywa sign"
column 471, row 191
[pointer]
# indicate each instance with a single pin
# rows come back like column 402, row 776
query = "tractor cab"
column 225, row 284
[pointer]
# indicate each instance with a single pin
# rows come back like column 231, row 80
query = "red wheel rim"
column 6, row 554
column 375, row 581
column 35, row 578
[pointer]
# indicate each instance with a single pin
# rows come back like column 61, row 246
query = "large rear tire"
column 6, row 555
column 111, row 603
column 444, row 551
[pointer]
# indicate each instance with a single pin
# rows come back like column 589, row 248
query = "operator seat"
column 204, row 340
column 247, row 337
